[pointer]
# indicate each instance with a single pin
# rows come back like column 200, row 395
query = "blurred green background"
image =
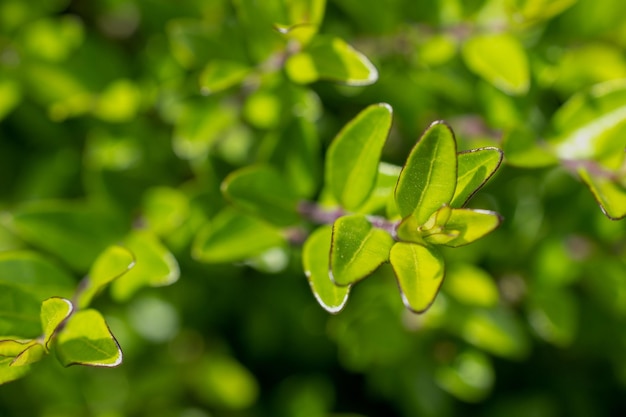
column 112, row 113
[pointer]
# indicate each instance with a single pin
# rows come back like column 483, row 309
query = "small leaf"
column 471, row 286
column 352, row 158
column 11, row 347
column 357, row 249
column 315, row 259
column 419, row 271
column 475, row 168
column 231, row 237
column 165, row 209
column 428, row 179
column 54, row 311
column 30, row 355
column 10, row 373
column 465, row 226
column 261, row 191
column 114, row 262
column 500, row 59
column 330, row 59
column 219, row 75
column 553, row 315
column 610, row 195
column 87, row 340
column 522, row 149
column 497, row 331
column 382, row 194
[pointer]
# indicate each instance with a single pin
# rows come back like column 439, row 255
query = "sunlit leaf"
column 219, row 75
column 497, row 331
column 470, row 377
column 30, row 355
column 327, row 58
column 12, row 348
column 500, row 59
column 352, row 158
column 475, row 168
column 382, row 194
column 471, row 286
column 358, row 248
column 608, row 192
column 465, row 226
column 87, row 340
column 315, row 259
column 522, row 148
column 553, row 315
column 119, row 102
column 428, row 179
column 260, row 190
column 165, row 209
column 10, row 373
column 54, row 311
column 419, row 271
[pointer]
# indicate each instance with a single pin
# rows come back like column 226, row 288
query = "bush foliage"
column 446, row 178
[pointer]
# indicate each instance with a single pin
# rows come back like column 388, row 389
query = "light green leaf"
column 219, row 75
column 305, row 17
column 419, row 271
column 154, row 266
column 31, row 354
column 232, row 237
column 10, row 373
column 500, row 59
column 610, row 194
column 428, row 179
column 165, row 209
column 87, row 340
column 410, row 230
column 523, row 149
column 357, row 249
column 497, row 331
column 11, row 347
column 463, row 227
column 471, row 286
column 382, row 194
column 328, row 58
column 54, row 311
column 553, row 315
column 470, row 377
column 315, row 259
column 114, row 262
column 10, row 96
column 261, row 191
column 533, row 10
column 352, row 158
column 475, row 168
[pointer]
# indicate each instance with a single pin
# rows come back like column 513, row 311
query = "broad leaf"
column 357, row 249
column 165, row 209
column 523, row 149
column 464, row 226
column 114, row 262
column 30, row 355
column 475, row 168
column 54, row 311
column 419, row 271
column 327, row 58
column 428, row 179
column 315, row 259
column 497, row 331
column 500, row 59
column 553, row 315
column 10, row 373
column 352, row 158
column 219, row 75
column 471, row 285
column 87, row 340
column 261, row 191
column 610, row 195
column 231, row 237
column 154, row 266
column 382, row 194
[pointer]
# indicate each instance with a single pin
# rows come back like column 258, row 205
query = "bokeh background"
column 105, row 110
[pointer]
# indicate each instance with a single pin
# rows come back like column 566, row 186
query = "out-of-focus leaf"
column 419, row 271
column 475, row 168
column 10, row 96
column 305, row 17
column 522, row 148
column 260, row 190
column 165, row 209
column 12, row 348
column 500, row 59
column 10, row 373
column 87, row 340
column 76, row 233
column 533, row 10
column 382, row 194
column 219, row 75
column 231, row 237
column 352, row 158
column 465, row 226
column 357, row 249
column 264, row 109
column 496, row 331
column 553, row 315
column 470, row 377
column 54, row 311
column 114, row 262
column 119, row 102
column 608, row 192
column 471, row 286
column 327, row 58
column 256, row 21
column 315, row 259
column 30, row 355
column 428, row 179
column 154, row 265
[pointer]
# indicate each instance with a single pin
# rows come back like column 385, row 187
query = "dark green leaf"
column 475, row 168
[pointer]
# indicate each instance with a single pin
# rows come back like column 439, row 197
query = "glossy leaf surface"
column 465, row 226
column 358, row 249
column 352, row 158
column 315, row 259
column 475, row 168
column 54, row 311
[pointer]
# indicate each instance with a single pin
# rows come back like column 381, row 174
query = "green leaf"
column 464, row 226
column 471, row 286
column 26, row 280
column 154, row 266
column 419, row 271
column 470, row 377
column 500, row 59
column 219, row 75
column 87, row 340
column 328, row 58
column 475, row 168
column 553, row 315
column 315, row 259
column 382, row 194
column 352, row 158
column 610, row 195
column 74, row 232
column 10, row 373
column 114, row 262
column 261, row 191
column 497, row 331
column 12, row 348
column 54, row 311
column 522, row 149
column 31, row 354
column 428, row 179
column 231, row 237
column 165, row 209
column 357, row 249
